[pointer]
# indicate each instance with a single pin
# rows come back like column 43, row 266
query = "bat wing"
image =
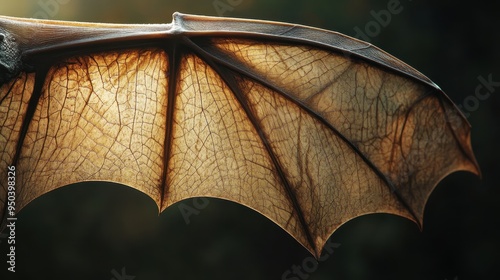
column 309, row 127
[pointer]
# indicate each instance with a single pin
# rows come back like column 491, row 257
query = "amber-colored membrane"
column 309, row 127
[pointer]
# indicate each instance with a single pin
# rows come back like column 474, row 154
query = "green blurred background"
column 87, row 231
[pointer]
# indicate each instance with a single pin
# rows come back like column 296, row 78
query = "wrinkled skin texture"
column 308, row 127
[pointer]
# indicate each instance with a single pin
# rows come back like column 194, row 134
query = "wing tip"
column 474, row 167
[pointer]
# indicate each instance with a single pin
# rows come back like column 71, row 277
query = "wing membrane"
column 308, row 127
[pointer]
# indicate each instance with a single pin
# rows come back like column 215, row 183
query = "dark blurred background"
column 106, row 231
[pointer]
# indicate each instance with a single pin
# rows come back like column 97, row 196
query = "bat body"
column 309, row 127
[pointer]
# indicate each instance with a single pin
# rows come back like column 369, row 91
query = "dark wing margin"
column 309, row 127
